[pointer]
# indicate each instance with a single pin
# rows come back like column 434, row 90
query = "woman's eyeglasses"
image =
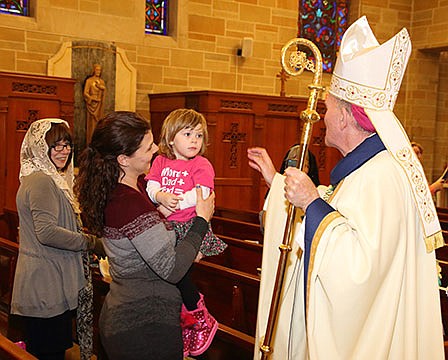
column 59, row 148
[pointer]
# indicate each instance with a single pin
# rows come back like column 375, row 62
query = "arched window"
column 14, row 7
column 156, row 16
column 324, row 22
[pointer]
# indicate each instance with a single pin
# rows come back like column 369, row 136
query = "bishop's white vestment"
column 371, row 288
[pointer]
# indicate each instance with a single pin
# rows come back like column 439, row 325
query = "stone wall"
column 427, row 101
column 199, row 54
column 420, row 106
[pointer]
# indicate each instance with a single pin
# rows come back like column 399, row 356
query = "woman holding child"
column 140, row 318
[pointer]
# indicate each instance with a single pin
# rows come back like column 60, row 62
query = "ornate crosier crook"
column 294, row 65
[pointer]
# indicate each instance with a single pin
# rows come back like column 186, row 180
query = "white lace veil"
column 34, row 157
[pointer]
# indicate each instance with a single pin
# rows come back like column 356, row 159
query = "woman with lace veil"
column 52, row 277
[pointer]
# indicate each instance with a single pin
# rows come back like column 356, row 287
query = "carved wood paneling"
column 284, row 108
column 235, row 123
column 234, row 137
column 26, row 98
column 23, row 125
column 236, row 104
column 29, row 88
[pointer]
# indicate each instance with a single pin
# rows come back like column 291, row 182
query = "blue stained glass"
column 324, row 22
column 14, row 7
column 156, row 14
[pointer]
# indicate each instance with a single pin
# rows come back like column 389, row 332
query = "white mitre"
column 369, row 75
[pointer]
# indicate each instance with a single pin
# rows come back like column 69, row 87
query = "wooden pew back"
column 249, row 216
column 241, row 255
column 9, row 251
column 230, row 295
column 442, row 261
column 231, row 344
column 237, row 229
column 10, row 351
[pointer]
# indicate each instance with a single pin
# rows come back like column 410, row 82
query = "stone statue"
column 94, row 95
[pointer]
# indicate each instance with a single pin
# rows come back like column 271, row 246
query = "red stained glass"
column 156, row 17
column 14, row 7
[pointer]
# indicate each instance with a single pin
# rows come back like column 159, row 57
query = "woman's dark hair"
column 117, row 133
column 59, row 132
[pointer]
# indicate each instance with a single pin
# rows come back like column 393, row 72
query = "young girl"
column 172, row 179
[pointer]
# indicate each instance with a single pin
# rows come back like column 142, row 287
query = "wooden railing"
column 237, row 229
column 231, row 296
column 11, row 351
column 241, row 255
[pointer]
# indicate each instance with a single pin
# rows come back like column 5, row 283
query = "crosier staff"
column 294, row 65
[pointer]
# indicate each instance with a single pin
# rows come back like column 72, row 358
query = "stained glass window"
column 324, row 22
column 156, row 17
column 15, row 7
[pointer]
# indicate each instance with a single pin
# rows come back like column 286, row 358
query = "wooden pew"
column 236, row 288
column 230, row 295
column 249, row 216
column 231, row 344
column 241, row 255
column 443, row 212
column 8, row 258
column 442, row 261
column 237, row 229
column 443, row 217
column 10, row 351
column 9, row 225
column 444, row 224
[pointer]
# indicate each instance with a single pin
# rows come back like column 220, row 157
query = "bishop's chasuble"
column 371, row 288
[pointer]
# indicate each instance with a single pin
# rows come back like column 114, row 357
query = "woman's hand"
column 199, row 257
column 164, row 211
column 95, row 244
column 205, row 208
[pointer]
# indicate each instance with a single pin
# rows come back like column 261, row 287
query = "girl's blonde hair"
column 176, row 121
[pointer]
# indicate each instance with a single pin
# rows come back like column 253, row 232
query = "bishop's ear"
column 345, row 118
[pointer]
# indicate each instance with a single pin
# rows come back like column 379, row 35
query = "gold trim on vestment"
column 316, row 240
column 327, row 197
column 434, row 242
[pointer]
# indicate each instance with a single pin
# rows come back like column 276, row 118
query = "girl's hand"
column 170, row 201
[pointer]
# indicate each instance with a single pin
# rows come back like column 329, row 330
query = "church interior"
column 223, row 59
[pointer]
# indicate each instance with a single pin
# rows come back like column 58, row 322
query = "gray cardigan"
column 49, row 272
